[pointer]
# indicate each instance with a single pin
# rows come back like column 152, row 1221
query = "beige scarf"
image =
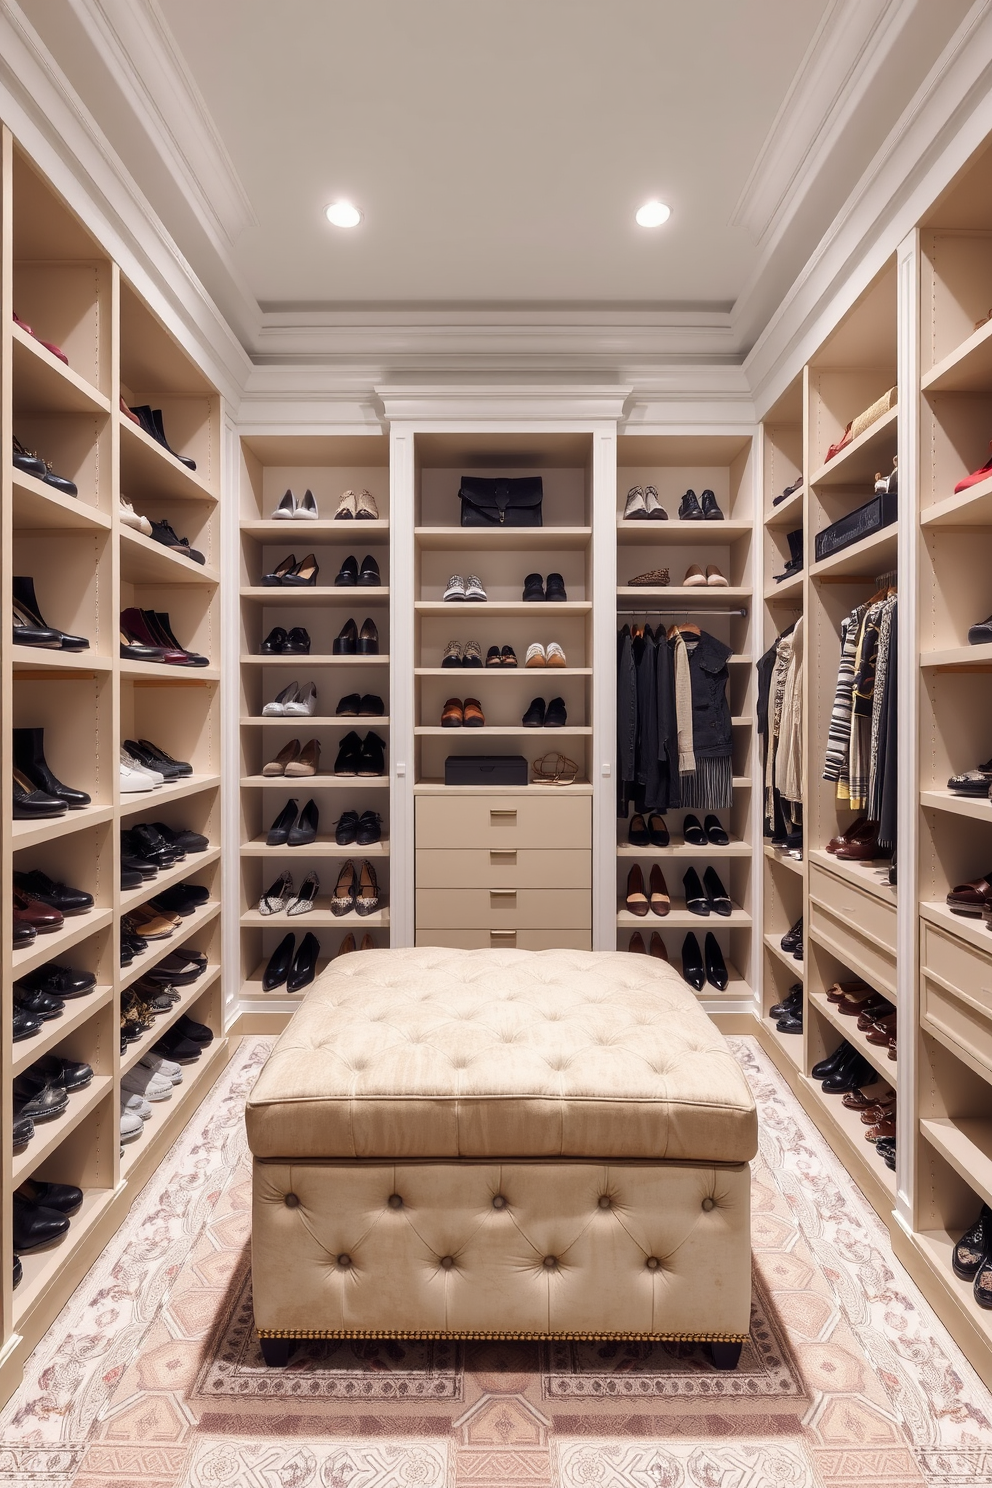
column 683, row 706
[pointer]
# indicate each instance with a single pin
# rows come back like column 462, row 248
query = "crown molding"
column 160, row 91
column 52, row 125
column 523, row 402
column 947, row 120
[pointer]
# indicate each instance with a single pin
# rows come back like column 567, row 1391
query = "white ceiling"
column 498, row 148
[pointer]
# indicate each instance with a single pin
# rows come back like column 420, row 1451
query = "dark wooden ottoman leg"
column 276, row 1351
column 726, row 1355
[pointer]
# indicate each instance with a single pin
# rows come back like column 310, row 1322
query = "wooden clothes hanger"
column 684, row 629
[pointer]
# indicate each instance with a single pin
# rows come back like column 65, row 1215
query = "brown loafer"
column 882, row 1032
column 636, row 900
column 658, row 947
column 856, row 829
column 660, row 902
column 862, row 849
column 872, row 1095
column 886, row 1128
column 837, row 991
column 851, row 1007
column 874, row 1016
column 452, row 714
column 154, row 926
column 472, row 714
column 970, row 898
column 637, row 944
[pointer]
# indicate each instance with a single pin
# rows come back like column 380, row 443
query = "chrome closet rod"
column 684, row 610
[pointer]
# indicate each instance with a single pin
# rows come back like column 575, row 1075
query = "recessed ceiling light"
column 652, row 214
column 343, row 214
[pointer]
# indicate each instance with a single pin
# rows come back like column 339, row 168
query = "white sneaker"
column 556, row 656
column 474, row 589
column 146, row 1083
column 303, row 705
column 159, row 1065
column 135, row 778
column 636, row 506
column 536, row 655
column 455, row 589
column 131, row 518
column 138, row 1106
column 131, row 1125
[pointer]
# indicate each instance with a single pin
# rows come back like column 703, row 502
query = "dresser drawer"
column 957, row 1021
column 870, row 916
column 502, row 868
column 509, row 909
column 956, row 993
column 833, row 928
column 468, row 819
column 507, row 940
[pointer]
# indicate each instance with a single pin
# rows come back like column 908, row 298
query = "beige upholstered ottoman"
column 501, row 1144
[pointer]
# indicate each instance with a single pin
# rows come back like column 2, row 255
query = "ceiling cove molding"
column 851, row 43
column 519, row 402
column 55, row 129
column 944, row 124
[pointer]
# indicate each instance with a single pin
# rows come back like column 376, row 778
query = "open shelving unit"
column 87, row 567
column 328, row 465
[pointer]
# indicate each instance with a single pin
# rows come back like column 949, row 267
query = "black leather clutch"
column 509, row 502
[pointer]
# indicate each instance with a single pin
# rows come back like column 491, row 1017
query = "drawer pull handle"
column 502, row 816
column 503, row 936
column 502, row 893
column 503, row 858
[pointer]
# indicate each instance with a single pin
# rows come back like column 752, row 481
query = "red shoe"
column 975, row 476
column 842, row 443
column 55, row 350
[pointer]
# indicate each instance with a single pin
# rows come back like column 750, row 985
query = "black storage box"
column 881, row 511
column 485, row 769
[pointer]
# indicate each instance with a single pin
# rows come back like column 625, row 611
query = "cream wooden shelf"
column 685, row 850
column 969, row 508
column 319, row 659
column 533, row 674
column 347, row 597
column 178, row 790
column 145, row 561
column 795, row 865
column 501, row 731
column 187, row 997
column 78, row 1010
column 323, row 847
column 170, row 1116
column 877, row 1055
column 430, row 787
column 673, row 533
column 847, row 1137
column 163, row 675
column 680, row 918
column 323, row 780
column 42, row 1269
column 150, row 473
column 157, row 950
column 958, row 658
column 44, row 385
column 936, row 1248
column 978, row 808
column 39, row 507
column 966, row 369
column 347, row 533
column 253, row 991
column 790, row 589
column 320, row 917
column 504, row 539
column 54, row 945
column 192, row 865
column 51, row 1134
column 786, row 958
column 862, row 457
column 48, row 829
column 707, row 596
column 790, row 1043
column 789, row 515
column 863, row 561
column 966, row 1143
column 34, row 658
column 460, row 611
column 369, row 723
column 970, row 928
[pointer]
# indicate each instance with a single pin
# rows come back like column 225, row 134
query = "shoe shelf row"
column 321, row 623
column 68, row 559
column 656, row 556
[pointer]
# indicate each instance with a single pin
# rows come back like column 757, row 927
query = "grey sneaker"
column 455, row 589
column 474, row 589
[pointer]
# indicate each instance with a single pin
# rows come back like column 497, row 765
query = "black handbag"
column 502, row 502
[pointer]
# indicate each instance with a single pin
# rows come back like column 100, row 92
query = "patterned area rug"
column 151, row 1377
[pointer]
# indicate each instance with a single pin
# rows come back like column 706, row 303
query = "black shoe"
column 851, row 1074
column 346, row 641
column 368, row 574
column 57, row 981
column 369, row 829
column 60, row 896
column 297, row 642
column 696, row 902
column 368, row 639
column 346, row 831
column 556, row 715
column 23, row 1130
column 18, row 1272
column 719, row 898
column 160, row 436
column 373, row 758
column 554, row 589
column 38, row 1098
column 198, row 1032
column 790, row 1023
column 347, row 576
column 534, row 588
column 304, row 829
column 693, row 970
column 349, row 754
column 30, row 804
column 29, row 759
column 637, row 832
column 26, row 604
column 175, row 1045
column 35, row 1225
column 23, row 1025
column 716, row 967
column 304, row 966
column 692, row 832
column 715, row 833
column 38, row 1004
column 833, row 1061
column 182, row 839
column 68, row 1073
column 371, row 706
column 131, row 878
column 64, row 1198
column 711, row 511
column 146, row 841
column 973, row 1248
column 274, row 643
column 163, row 533
column 788, row 1004
column 348, row 706
column 689, row 508
column 159, row 759
column 279, row 964
column 278, row 833
column 493, row 657
column 792, row 937
column 534, row 717
column 181, row 899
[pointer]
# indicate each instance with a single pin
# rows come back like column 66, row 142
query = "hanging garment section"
column 862, row 743
column 674, row 731
column 780, row 726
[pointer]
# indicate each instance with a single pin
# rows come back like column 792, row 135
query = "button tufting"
column 291, row 1201
column 709, row 1203
column 395, row 1202
column 447, row 1262
column 605, row 1202
column 652, row 1263
column 550, row 1263
column 344, row 1259
column 499, row 1202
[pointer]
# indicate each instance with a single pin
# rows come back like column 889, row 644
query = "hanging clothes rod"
column 683, row 610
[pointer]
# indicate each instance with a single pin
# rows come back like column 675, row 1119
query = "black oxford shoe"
column 69, row 1073
column 710, row 508
column 23, row 1025
column 689, row 508
column 38, row 1004
column 66, row 1198
column 34, row 1225
column 38, row 1098
column 60, row 896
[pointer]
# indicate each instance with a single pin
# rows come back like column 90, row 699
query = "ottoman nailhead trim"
column 499, row 1335
column 291, row 1201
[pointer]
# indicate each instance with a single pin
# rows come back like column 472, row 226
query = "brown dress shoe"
column 40, row 917
column 348, row 944
column 874, row 1015
column 307, row 761
column 637, row 900
column 658, row 947
column 837, row 991
column 660, row 902
column 882, row 1032
column 472, row 715
column 452, row 715
column 637, row 943
column 854, row 830
column 862, row 849
column 885, row 1128
column 871, row 1095
column 852, row 1006
column 287, row 754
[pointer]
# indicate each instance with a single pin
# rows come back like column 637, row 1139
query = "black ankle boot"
column 29, row 758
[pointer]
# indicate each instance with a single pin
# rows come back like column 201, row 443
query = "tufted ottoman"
column 504, row 1144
